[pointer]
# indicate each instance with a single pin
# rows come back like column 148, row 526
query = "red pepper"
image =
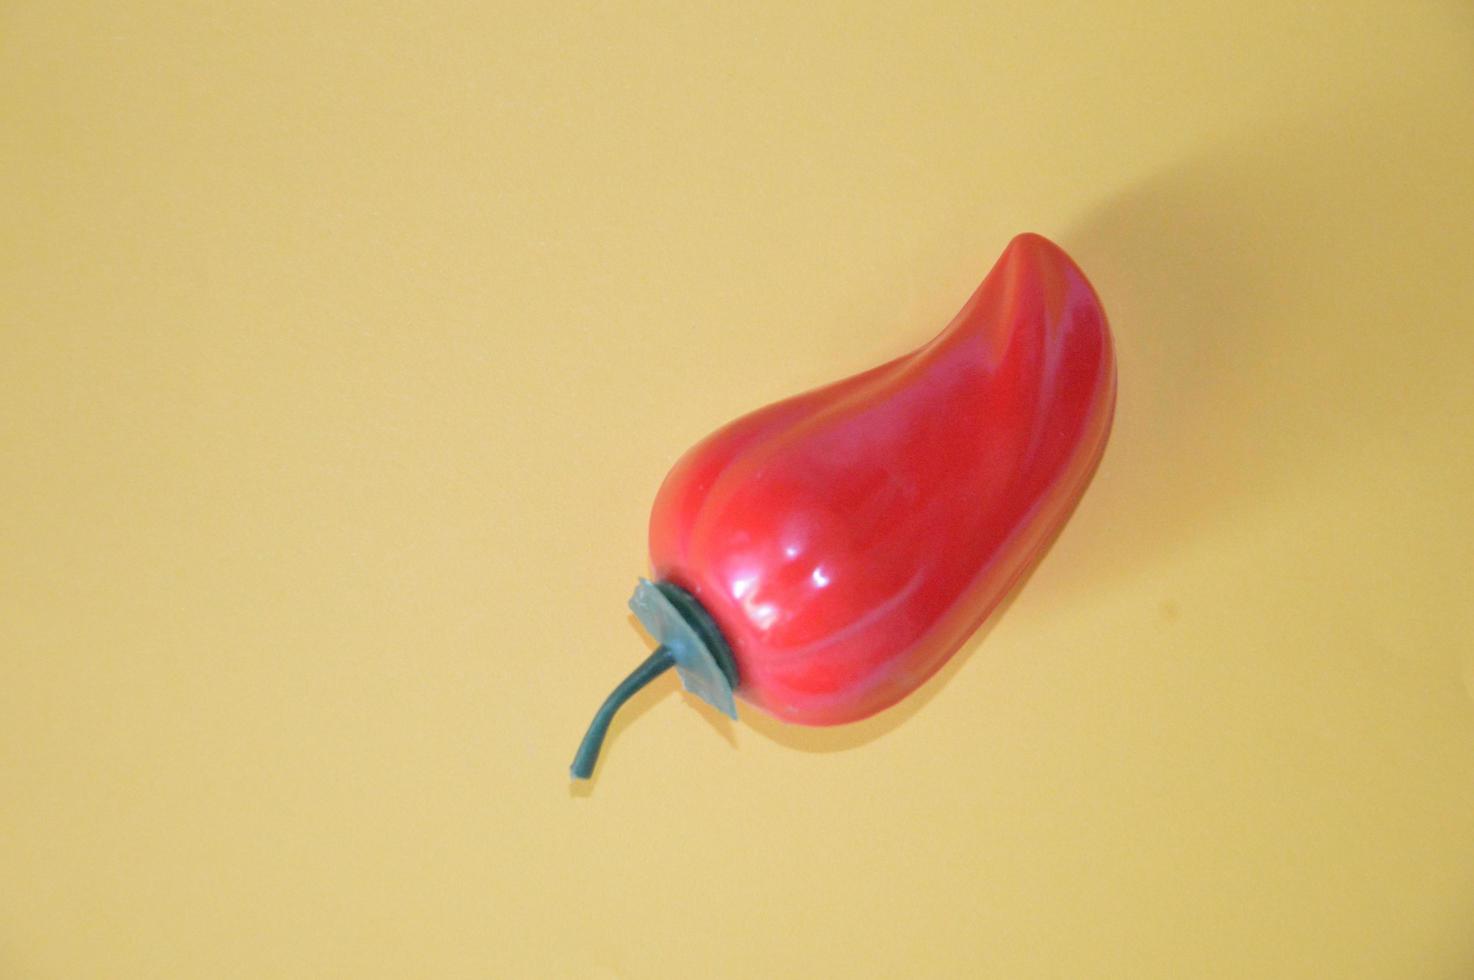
column 825, row 555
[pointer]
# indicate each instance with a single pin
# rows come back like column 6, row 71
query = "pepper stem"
column 593, row 740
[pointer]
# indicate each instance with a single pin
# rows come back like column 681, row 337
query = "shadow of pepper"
column 1207, row 270
column 1249, row 370
column 1189, row 279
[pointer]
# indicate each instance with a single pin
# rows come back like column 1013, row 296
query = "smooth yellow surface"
column 342, row 352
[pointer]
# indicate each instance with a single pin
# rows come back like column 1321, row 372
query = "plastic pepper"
column 820, row 558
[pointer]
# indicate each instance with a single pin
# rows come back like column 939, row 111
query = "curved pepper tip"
column 1033, row 244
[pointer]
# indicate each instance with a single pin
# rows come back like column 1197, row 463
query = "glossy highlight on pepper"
column 847, row 541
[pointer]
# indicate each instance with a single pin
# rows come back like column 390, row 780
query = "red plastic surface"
column 849, row 540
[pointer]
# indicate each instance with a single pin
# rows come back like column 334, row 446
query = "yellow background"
column 342, row 352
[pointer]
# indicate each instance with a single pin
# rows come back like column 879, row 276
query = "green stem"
column 593, row 740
